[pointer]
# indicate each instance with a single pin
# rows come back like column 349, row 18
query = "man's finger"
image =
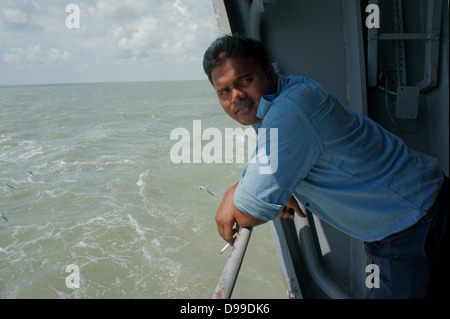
column 228, row 233
column 292, row 203
column 287, row 213
column 299, row 211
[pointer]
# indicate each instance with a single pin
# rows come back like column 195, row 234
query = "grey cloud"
column 18, row 16
column 149, row 39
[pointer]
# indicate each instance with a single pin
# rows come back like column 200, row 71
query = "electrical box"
column 407, row 106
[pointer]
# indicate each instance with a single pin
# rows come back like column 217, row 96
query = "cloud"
column 141, row 39
column 15, row 15
column 180, row 7
column 34, row 58
column 19, row 19
column 151, row 28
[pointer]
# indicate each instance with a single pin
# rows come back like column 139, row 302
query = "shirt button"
column 307, row 204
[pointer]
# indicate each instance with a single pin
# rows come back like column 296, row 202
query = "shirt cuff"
column 246, row 202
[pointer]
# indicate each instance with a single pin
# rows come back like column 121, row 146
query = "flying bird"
column 6, row 184
column 4, row 217
column 204, row 188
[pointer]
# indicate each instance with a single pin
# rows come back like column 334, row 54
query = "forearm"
column 247, row 220
column 228, row 215
column 243, row 219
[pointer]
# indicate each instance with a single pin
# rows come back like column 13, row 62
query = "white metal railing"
column 230, row 273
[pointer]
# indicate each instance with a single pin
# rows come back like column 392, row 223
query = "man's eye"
column 224, row 92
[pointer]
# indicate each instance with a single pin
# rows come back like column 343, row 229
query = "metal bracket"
column 431, row 36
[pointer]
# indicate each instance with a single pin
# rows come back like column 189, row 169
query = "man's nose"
column 238, row 94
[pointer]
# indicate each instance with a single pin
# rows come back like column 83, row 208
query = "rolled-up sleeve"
column 298, row 147
column 249, row 203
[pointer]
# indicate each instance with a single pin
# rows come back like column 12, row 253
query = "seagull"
column 204, row 188
column 6, row 184
column 123, row 114
column 4, row 217
column 30, row 172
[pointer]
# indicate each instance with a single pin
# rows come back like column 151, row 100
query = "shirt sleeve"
column 294, row 148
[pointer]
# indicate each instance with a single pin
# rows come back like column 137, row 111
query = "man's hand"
column 229, row 219
column 225, row 217
column 290, row 209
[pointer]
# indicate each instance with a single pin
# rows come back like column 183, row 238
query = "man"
column 342, row 166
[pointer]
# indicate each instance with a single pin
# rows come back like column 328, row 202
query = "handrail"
column 311, row 260
column 229, row 275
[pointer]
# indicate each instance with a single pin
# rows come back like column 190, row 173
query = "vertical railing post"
column 229, row 275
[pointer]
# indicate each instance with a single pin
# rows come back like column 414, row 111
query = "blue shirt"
column 341, row 165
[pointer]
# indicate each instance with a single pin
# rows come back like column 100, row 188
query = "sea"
column 94, row 206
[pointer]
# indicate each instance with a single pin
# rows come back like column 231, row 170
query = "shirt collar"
column 267, row 100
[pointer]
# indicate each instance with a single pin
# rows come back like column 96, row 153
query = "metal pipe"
column 313, row 265
column 244, row 11
column 229, row 275
column 255, row 15
column 431, row 63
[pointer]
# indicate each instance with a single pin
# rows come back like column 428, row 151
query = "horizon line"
column 96, row 82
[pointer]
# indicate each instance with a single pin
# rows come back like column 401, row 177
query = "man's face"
column 240, row 83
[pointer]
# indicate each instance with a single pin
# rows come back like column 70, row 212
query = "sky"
column 117, row 40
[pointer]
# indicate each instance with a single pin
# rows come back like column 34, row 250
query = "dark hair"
column 232, row 46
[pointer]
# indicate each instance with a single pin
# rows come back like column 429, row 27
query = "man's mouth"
column 242, row 107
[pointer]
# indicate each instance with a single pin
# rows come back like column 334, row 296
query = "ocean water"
column 86, row 179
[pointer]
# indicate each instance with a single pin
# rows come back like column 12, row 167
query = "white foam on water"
column 105, row 196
